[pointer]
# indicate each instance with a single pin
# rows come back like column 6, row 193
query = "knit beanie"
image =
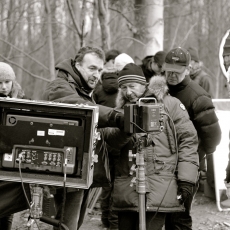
column 121, row 60
column 194, row 54
column 6, row 72
column 131, row 73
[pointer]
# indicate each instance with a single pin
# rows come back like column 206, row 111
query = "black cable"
column 64, row 195
column 174, row 170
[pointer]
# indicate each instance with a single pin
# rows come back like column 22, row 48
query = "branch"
column 102, row 7
column 24, row 53
column 25, row 70
column 186, row 36
column 73, row 18
column 134, row 39
column 175, row 35
column 121, row 15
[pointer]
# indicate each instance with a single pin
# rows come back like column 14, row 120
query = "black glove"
column 119, row 118
column 185, row 191
column 227, row 179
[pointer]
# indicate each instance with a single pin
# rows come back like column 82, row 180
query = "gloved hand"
column 185, row 191
column 227, row 179
column 119, row 118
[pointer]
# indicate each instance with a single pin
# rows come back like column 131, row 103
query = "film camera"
column 143, row 117
column 47, row 136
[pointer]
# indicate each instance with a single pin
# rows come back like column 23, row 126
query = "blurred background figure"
column 109, row 58
column 152, row 65
column 122, row 60
column 197, row 73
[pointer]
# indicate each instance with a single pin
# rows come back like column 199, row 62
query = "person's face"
column 194, row 66
column 174, row 78
column 133, row 91
column 90, row 68
column 5, row 87
column 156, row 67
column 109, row 64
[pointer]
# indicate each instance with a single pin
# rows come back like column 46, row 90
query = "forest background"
column 35, row 35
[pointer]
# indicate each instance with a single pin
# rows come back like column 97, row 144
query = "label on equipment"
column 8, row 157
column 40, row 133
column 56, row 132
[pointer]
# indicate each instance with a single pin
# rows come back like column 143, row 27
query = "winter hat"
column 194, row 54
column 6, row 72
column 121, row 60
column 177, row 60
column 131, row 73
column 159, row 58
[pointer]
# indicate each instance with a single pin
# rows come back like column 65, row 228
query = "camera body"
column 143, row 117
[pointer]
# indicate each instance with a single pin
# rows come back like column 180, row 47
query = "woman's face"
column 5, row 87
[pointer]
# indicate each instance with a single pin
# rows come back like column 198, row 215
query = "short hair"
column 111, row 55
column 89, row 49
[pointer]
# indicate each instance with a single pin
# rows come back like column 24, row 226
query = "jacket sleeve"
column 187, row 141
column 206, row 124
column 115, row 138
column 61, row 91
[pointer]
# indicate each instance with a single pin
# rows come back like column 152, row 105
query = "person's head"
column 195, row 62
column 157, row 62
column 7, row 77
column 121, row 60
column 90, row 62
column 132, row 82
column 110, row 57
column 177, row 65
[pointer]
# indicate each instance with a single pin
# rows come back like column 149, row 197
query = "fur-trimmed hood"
column 157, row 88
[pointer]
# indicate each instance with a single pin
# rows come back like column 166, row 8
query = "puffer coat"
column 164, row 166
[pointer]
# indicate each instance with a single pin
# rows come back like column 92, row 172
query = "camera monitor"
column 46, row 140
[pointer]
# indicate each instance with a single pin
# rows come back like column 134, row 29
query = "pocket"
column 124, row 196
column 163, row 189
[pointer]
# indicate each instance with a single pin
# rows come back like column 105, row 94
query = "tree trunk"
column 103, row 15
column 150, row 28
column 50, row 41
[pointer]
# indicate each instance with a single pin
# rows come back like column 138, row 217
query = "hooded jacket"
column 106, row 90
column 164, row 165
column 202, row 113
column 70, row 87
column 202, row 79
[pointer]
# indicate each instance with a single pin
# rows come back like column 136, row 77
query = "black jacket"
column 202, row 113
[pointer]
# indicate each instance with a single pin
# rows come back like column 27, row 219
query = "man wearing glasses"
column 202, row 113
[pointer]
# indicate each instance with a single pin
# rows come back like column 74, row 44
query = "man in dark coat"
column 152, row 65
column 202, row 113
column 75, row 82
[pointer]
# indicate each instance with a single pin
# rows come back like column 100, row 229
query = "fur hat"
column 6, row 72
column 121, row 60
column 194, row 54
column 131, row 73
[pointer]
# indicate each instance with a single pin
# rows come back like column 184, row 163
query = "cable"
column 64, row 193
column 174, row 170
column 24, row 191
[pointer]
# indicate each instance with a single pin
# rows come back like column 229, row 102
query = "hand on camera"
column 185, row 191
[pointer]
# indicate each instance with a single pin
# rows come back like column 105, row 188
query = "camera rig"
column 143, row 117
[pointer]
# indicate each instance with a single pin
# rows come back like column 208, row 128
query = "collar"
column 180, row 86
column 83, row 85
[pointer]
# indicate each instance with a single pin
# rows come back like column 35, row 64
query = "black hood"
column 68, row 66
